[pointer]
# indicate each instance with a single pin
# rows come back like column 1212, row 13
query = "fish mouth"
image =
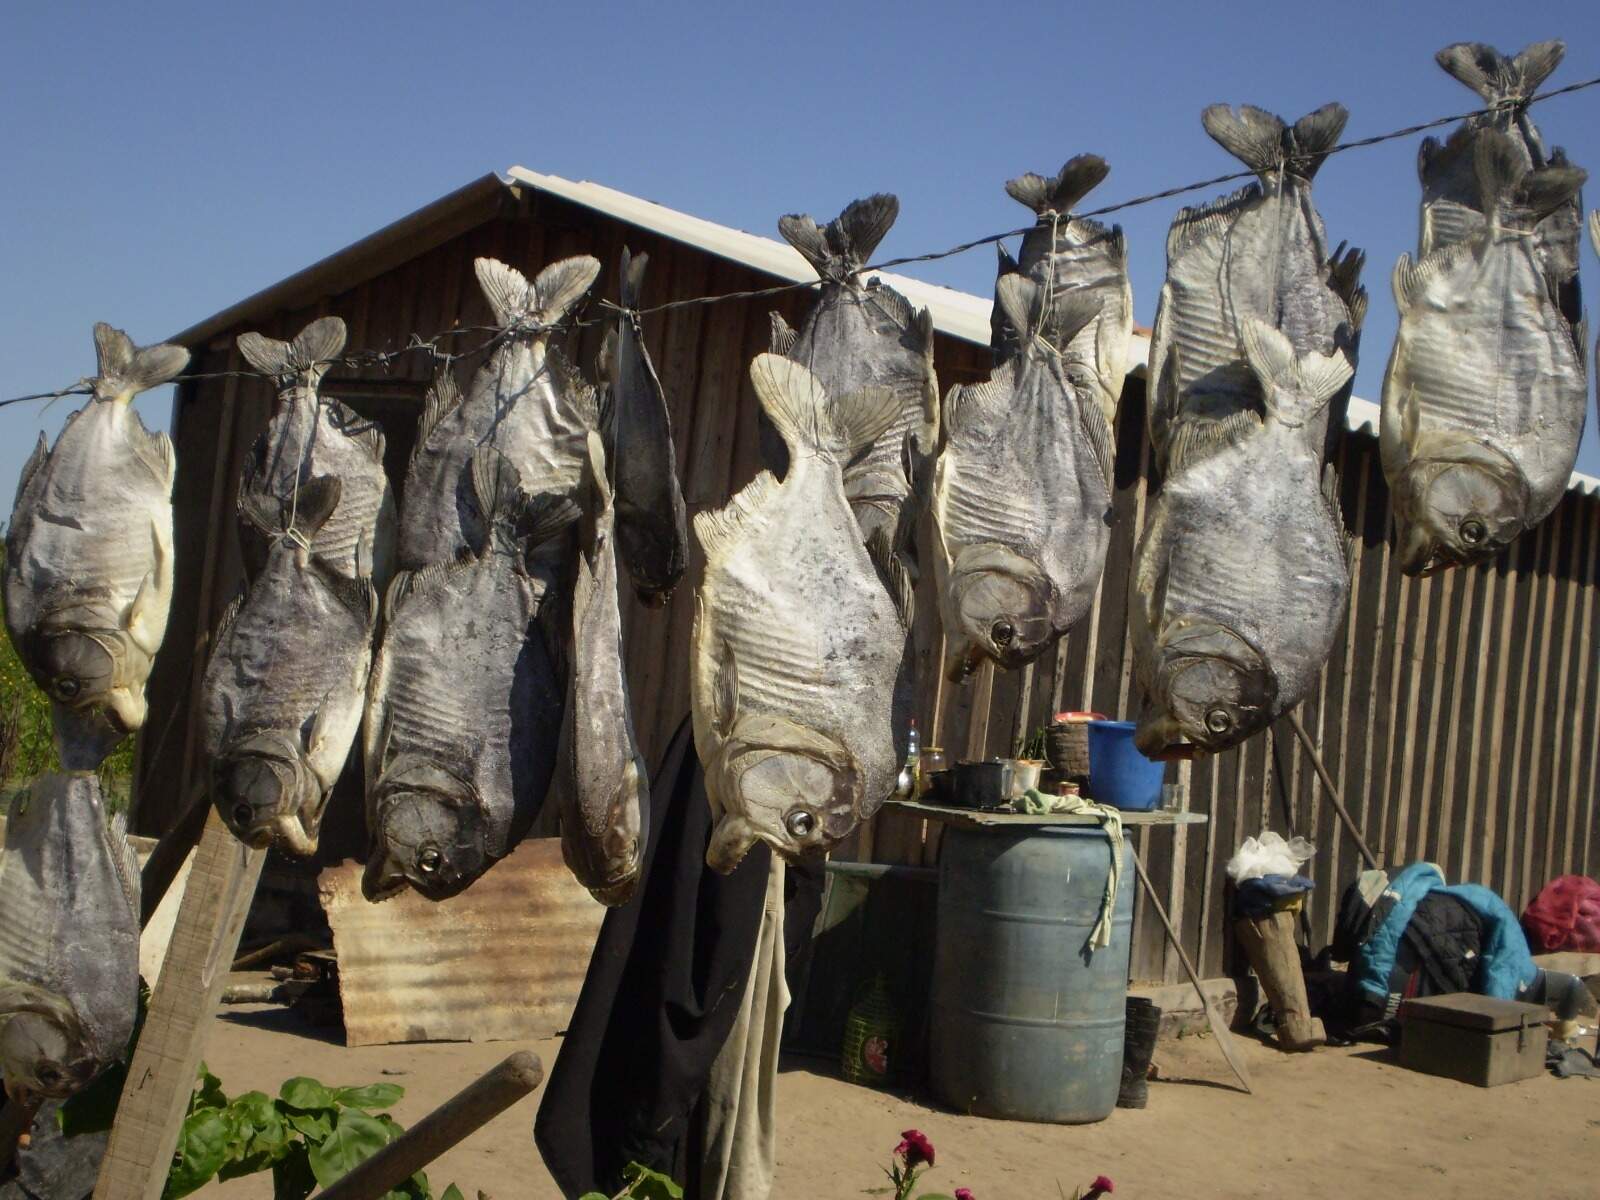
column 731, row 839
column 1213, row 690
column 260, row 787
column 1458, row 507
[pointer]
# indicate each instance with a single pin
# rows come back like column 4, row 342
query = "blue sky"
column 162, row 160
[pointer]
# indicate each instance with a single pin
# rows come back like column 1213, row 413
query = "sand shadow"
column 278, row 1019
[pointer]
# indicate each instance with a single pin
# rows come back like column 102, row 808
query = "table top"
column 978, row 818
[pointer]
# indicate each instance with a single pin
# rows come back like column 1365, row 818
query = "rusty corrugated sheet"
column 505, row 959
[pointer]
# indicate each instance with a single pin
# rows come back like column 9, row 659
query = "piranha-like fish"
column 1260, row 253
column 1242, row 573
column 1070, row 255
column 1022, row 491
column 652, row 524
column 602, row 783
column 859, row 335
column 69, row 938
column 286, row 684
column 464, row 706
column 527, row 402
column 1486, row 390
column 88, row 573
column 797, row 682
column 312, row 435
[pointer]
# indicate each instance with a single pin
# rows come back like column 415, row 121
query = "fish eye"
column 49, row 1076
column 1002, row 632
column 1473, row 532
column 1219, row 720
column 66, row 687
column 429, row 860
column 800, row 822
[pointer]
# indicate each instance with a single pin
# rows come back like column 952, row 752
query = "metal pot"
column 981, row 784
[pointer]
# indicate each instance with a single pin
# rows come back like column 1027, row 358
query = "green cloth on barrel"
column 1036, row 803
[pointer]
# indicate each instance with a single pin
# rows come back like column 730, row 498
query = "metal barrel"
column 1027, row 1023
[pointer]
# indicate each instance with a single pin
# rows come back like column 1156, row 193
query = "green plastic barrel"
column 1027, row 1023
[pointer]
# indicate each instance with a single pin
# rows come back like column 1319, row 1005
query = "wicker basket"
column 1066, row 745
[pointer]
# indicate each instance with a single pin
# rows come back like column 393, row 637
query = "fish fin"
column 783, row 335
column 632, row 277
column 1496, row 78
column 598, row 519
column 506, row 289
column 1204, row 222
column 1252, row 135
column 841, row 248
column 230, row 614
column 716, row 529
column 1196, row 438
column 1076, row 179
column 1330, row 496
column 308, row 357
column 125, row 369
column 580, row 393
column 124, row 860
column 893, row 575
column 608, row 355
column 1024, row 300
column 1006, row 263
column 1498, row 167
column 375, row 717
column 558, row 288
column 1344, row 273
column 893, row 305
column 972, row 406
column 1594, row 238
column 1019, row 298
column 727, row 690
column 496, row 487
column 1411, row 278
column 1098, row 432
column 809, row 420
column 40, row 456
column 443, row 397
column 364, row 433
column 1297, row 387
column 156, row 452
column 1313, row 137
column 546, row 516
column 1546, row 189
column 313, row 503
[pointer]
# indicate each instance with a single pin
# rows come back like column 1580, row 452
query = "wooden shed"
column 1458, row 716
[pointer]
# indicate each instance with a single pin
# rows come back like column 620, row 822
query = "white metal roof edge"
column 959, row 314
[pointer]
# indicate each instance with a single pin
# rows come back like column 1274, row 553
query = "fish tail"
column 598, row 518
column 1266, row 145
column 842, row 247
column 1496, row 78
column 632, row 277
column 812, row 422
column 125, row 370
column 1023, row 302
column 546, row 300
column 305, row 359
column 302, row 516
column 1058, row 194
column 1297, row 387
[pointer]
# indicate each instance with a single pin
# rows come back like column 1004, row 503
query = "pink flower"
column 915, row 1148
column 1100, row 1187
column 965, row 1194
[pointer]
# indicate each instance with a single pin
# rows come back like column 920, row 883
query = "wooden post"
column 216, row 900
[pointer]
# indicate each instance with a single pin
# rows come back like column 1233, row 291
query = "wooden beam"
column 161, row 1076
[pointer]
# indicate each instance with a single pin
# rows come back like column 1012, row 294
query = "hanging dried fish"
column 652, row 524
column 860, row 335
column 799, row 682
column 1022, row 491
column 602, row 782
column 69, row 938
column 527, row 402
column 284, row 690
column 88, row 575
column 312, row 435
column 465, row 703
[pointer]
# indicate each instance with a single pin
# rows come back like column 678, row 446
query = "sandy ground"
column 1337, row 1123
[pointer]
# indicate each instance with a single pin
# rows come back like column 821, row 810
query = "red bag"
column 1565, row 916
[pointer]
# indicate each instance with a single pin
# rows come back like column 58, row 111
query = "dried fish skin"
column 1485, row 395
column 527, row 402
column 652, row 524
column 464, row 706
column 69, row 938
column 1022, row 492
column 1241, row 575
column 311, row 435
column 860, row 335
column 797, row 643
column 1076, row 255
column 285, row 688
column 89, row 566
column 603, row 785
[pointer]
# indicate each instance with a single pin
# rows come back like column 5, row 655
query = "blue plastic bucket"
column 1118, row 774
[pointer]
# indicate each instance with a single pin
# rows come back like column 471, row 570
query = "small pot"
column 981, row 784
column 1025, row 773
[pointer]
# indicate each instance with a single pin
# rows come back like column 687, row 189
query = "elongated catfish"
column 69, row 938
column 526, row 401
column 1241, row 575
column 798, row 648
column 652, row 525
column 89, row 571
column 311, row 435
column 1486, row 391
column 602, row 782
column 286, row 685
column 1068, row 255
column 865, row 334
column 464, row 707
column 1022, row 491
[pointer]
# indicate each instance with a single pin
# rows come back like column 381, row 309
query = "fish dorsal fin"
column 717, row 530
column 364, row 433
column 893, row 575
column 1296, row 387
column 40, row 456
column 1195, row 439
column 842, row 247
column 1496, row 78
column 124, row 860
column 579, row 393
column 809, row 420
column 356, row 594
column 443, row 397
column 1204, row 222
column 1411, row 279
column 425, row 582
column 981, row 407
column 125, row 370
column 631, row 276
column 895, row 306
column 1058, row 194
column 783, row 335
column 302, row 516
column 1097, row 431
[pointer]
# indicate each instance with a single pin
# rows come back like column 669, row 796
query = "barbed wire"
column 362, row 359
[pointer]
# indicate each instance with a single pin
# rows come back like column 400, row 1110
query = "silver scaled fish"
column 652, row 525
column 798, row 648
column 89, row 569
column 1022, row 491
column 527, row 402
column 865, row 334
column 1241, row 575
column 465, row 702
column 1486, row 390
column 311, row 435
column 602, row 783
column 69, row 938
column 286, row 685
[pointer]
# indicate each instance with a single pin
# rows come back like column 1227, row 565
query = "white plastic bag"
column 1269, row 855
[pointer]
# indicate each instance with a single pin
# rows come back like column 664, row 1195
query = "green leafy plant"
column 1033, row 747
column 641, row 1183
